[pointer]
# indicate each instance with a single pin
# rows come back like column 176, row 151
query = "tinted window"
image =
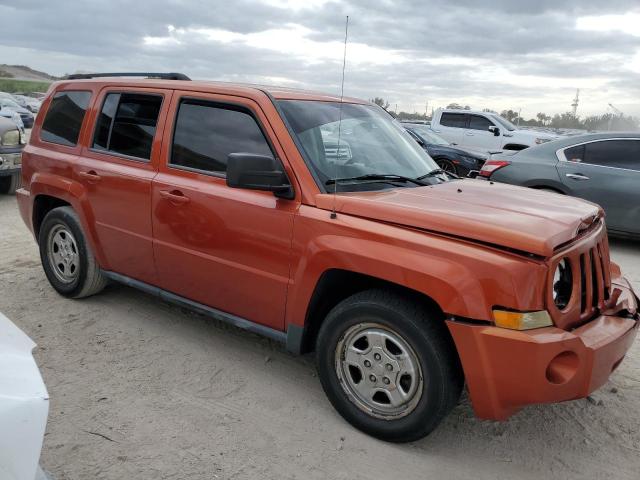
column 574, row 154
column 476, row 122
column 206, row 134
column 456, row 120
column 127, row 124
column 64, row 117
column 614, row 153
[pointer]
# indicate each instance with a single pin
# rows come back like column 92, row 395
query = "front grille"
column 591, row 290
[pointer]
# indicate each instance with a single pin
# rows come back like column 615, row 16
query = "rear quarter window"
column 64, row 117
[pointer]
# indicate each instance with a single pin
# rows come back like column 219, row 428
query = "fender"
column 75, row 194
column 464, row 279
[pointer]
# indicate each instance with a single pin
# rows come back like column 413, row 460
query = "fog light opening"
column 562, row 368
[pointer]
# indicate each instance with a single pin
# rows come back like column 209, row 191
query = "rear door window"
column 206, row 133
column 64, row 117
column 614, row 153
column 127, row 124
column 455, row 120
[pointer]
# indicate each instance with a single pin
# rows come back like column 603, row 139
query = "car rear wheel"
column 447, row 166
column 388, row 365
column 67, row 259
column 9, row 184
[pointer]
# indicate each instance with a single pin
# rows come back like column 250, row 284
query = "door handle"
column 577, row 176
column 437, row 131
column 174, row 196
column 469, row 134
column 91, row 176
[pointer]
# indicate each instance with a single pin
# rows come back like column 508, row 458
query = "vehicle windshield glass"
column 428, row 135
column 504, row 122
column 371, row 141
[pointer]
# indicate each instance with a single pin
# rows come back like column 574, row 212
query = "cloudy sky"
column 497, row 54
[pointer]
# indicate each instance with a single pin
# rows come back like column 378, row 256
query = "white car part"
column 24, row 405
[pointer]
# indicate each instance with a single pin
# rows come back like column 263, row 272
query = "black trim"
column 295, row 339
column 152, row 75
column 239, row 322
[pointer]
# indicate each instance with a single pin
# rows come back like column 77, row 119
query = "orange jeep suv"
column 319, row 222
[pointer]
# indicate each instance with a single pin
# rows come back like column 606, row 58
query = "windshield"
column 371, row 142
column 428, row 135
column 504, row 122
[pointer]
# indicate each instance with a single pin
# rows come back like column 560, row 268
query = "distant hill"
column 22, row 72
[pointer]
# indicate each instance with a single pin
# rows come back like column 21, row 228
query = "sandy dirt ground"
column 141, row 389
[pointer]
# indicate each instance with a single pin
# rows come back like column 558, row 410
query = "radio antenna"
column 335, row 170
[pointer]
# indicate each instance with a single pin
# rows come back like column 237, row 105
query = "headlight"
column 10, row 138
column 521, row 320
column 542, row 140
column 562, row 284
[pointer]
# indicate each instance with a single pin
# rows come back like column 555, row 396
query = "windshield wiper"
column 377, row 177
column 437, row 171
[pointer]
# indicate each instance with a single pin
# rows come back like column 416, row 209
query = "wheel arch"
column 50, row 191
column 334, row 286
column 515, row 146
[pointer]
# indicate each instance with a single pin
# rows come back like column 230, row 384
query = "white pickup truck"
column 484, row 131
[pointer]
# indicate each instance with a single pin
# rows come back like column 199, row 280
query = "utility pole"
column 575, row 103
column 426, row 110
column 519, row 112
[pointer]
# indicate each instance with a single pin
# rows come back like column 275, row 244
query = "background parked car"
column 603, row 168
column 13, row 116
column 484, row 131
column 25, row 115
column 31, row 104
column 450, row 159
column 10, row 156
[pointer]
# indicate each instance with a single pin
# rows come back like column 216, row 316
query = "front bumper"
column 506, row 369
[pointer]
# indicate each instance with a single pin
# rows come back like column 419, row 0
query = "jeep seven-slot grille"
column 591, row 289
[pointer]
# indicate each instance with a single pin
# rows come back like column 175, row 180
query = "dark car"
column 450, row 159
column 603, row 168
column 10, row 155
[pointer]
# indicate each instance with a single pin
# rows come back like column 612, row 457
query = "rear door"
column 606, row 172
column 452, row 127
column 223, row 247
column 116, row 168
column 477, row 135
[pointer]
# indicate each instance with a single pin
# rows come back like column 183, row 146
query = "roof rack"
column 163, row 76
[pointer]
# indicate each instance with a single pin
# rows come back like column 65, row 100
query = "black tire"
column 429, row 339
column 9, row 184
column 447, row 165
column 87, row 279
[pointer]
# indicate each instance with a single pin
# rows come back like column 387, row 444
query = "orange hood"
column 514, row 217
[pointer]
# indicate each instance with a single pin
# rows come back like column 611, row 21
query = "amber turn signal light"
column 522, row 320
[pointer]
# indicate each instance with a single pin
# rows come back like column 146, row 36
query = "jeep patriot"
column 322, row 224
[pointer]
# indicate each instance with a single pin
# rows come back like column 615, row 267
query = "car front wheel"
column 388, row 365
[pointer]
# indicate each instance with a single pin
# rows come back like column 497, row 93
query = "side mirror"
column 257, row 172
column 495, row 130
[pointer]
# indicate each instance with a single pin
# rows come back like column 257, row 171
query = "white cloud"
column 291, row 40
column 627, row 23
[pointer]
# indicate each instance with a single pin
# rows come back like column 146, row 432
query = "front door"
column 223, row 247
column 116, row 170
column 606, row 172
column 477, row 135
